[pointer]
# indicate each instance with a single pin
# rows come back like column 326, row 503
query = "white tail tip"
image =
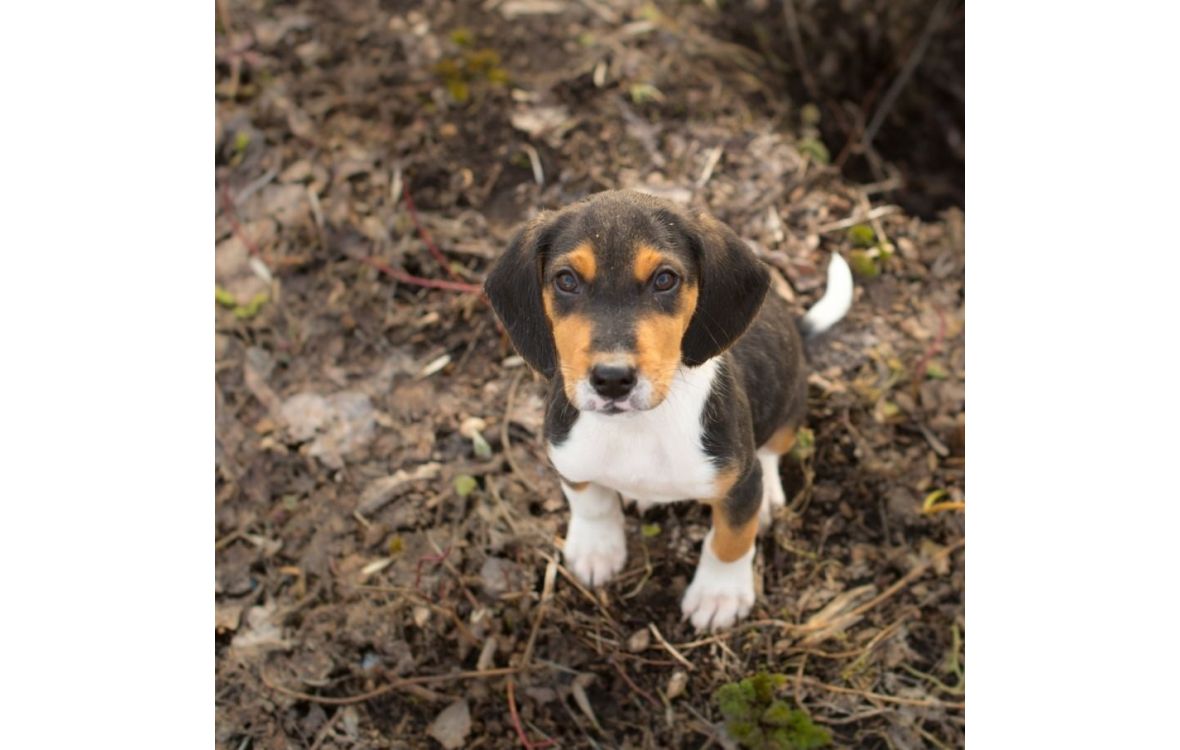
column 836, row 300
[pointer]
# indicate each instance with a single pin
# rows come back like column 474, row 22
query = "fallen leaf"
column 451, row 727
column 499, row 575
column 537, row 121
column 639, row 641
column 335, row 425
column 676, row 684
column 487, row 654
column 379, row 492
column 262, row 633
column 578, row 688
column 228, row 617
column 233, row 271
column 375, row 567
column 435, row 365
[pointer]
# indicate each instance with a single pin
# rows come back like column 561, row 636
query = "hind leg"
column 773, row 496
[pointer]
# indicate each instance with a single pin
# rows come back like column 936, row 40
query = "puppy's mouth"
column 615, row 407
column 638, row 400
column 600, row 405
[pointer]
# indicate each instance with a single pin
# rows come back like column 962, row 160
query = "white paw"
column 720, row 593
column 595, row 550
column 773, row 496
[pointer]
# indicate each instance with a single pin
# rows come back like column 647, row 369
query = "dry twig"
column 426, row 238
column 869, row 695
column 668, row 647
column 398, row 684
column 546, row 595
column 524, row 738
column 409, row 278
column 906, row 73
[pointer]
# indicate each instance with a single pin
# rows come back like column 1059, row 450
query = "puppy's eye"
column 665, row 281
column 567, row 282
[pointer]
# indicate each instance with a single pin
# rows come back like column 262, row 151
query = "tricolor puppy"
column 673, row 374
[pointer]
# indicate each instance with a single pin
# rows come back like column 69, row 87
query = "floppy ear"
column 514, row 288
column 733, row 283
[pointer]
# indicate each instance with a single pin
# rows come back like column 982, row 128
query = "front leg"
column 595, row 547
column 722, row 591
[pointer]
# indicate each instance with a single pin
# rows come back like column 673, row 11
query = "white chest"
column 653, row 456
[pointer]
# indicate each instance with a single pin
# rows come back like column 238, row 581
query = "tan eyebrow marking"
column 647, row 260
column 582, row 260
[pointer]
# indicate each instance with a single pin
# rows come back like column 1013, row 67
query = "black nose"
column 611, row 381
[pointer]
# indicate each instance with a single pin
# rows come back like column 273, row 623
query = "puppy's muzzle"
column 613, row 382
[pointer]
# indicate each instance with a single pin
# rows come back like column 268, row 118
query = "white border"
column 107, row 558
column 1071, row 332
column 107, row 553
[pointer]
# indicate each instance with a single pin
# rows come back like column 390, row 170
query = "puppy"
column 673, row 376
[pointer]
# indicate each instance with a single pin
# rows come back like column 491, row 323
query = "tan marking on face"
column 576, row 486
column 647, row 260
column 782, row 440
column 731, row 542
column 657, row 343
column 582, row 260
column 571, row 334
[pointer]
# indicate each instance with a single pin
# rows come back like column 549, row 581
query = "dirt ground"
column 388, row 533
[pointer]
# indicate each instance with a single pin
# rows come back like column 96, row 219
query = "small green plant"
column 862, row 235
column 870, row 251
column 757, row 720
column 470, row 68
column 241, row 312
column 814, row 148
column 465, row 484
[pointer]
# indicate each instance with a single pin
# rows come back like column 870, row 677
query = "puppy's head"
column 614, row 293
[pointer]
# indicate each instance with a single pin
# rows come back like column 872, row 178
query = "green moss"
column 462, row 36
column 482, row 61
column 459, row 90
column 777, row 715
column 757, row 720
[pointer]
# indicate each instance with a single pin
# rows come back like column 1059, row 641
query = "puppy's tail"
column 834, row 304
